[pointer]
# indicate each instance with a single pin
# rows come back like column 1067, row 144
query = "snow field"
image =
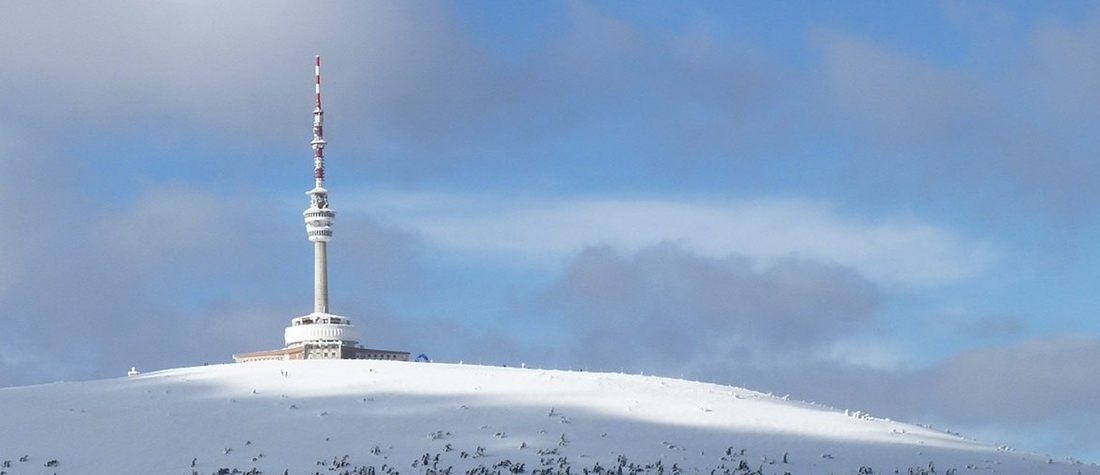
column 340, row 416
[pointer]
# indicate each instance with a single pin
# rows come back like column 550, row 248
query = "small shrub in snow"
column 340, row 463
column 552, row 463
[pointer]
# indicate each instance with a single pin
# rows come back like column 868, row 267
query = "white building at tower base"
column 321, row 336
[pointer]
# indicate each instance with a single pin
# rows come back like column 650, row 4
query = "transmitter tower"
column 320, row 334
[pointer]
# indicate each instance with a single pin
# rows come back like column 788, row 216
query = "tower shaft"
column 320, row 277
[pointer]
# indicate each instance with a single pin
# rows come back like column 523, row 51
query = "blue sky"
column 889, row 207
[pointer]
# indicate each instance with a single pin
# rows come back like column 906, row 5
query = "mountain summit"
column 390, row 418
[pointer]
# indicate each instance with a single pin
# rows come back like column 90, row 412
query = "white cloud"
column 905, row 98
column 227, row 65
column 675, row 306
column 864, row 352
column 544, row 231
column 170, row 226
column 1030, row 381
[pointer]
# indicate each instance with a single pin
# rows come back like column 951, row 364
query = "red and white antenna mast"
column 319, row 217
column 318, row 128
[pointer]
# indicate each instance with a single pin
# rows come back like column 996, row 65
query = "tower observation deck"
column 320, row 334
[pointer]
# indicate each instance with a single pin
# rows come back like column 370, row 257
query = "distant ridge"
column 381, row 417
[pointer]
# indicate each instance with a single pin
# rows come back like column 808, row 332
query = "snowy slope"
column 386, row 417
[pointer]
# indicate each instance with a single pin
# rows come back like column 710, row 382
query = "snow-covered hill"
column 333, row 417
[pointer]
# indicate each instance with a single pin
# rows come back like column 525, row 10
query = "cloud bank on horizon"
column 891, row 208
